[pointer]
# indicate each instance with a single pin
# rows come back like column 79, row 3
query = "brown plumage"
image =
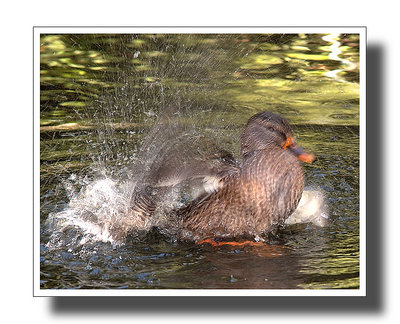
column 247, row 199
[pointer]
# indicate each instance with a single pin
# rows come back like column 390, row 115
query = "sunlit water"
column 100, row 99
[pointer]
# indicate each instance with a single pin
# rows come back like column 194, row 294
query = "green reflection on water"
column 284, row 73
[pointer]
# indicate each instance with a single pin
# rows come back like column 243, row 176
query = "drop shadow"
column 372, row 303
column 375, row 188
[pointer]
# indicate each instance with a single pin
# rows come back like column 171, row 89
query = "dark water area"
column 101, row 96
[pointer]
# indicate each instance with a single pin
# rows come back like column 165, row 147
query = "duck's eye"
column 271, row 128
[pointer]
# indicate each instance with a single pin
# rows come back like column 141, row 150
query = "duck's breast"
column 254, row 201
column 272, row 183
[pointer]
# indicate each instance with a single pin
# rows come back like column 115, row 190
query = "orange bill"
column 298, row 151
column 301, row 154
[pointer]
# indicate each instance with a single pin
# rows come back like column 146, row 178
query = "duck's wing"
column 175, row 182
column 204, row 166
column 178, row 165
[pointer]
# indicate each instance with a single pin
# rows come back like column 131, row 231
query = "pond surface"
column 101, row 96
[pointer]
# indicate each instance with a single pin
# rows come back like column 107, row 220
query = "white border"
column 197, row 292
column 36, row 163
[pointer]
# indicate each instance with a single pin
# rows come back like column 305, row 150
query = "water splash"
column 96, row 213
column 100, row 209
column 312, row 209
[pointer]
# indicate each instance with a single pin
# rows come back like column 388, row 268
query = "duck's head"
column 267, row 130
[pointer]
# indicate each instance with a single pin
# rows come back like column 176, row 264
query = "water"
column 101, row 96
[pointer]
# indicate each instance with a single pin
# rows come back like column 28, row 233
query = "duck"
column 245, row 199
